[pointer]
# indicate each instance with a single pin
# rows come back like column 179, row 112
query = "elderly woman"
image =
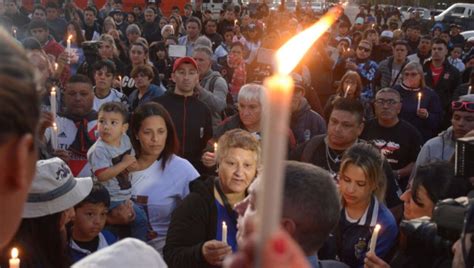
column 349, row 87
column 425, row 117
column 195, row 235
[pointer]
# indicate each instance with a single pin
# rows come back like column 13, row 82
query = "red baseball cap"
column 182, row 60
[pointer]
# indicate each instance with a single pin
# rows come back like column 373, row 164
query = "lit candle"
column 373, row 239
column 419, row 101
column 52, row 100
column 69, row 49
column 14, row 33
column 215, row 147
column 224, row 232
column 54, row 136
column 235, row 22
column 469, row 90
column 347, row 91
column 279, row 90
column 14, row 262
column 55, row 67
column 120, row 83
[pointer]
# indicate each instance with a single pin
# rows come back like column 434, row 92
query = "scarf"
column 82, row 142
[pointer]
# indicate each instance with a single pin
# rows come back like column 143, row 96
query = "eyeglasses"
column 410, row 74
column 383, row 101
column 364, row 49
column 462, row 105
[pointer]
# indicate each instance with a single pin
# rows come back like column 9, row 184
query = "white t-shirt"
column 67, row 131
column 114, row 95
column 165, row 189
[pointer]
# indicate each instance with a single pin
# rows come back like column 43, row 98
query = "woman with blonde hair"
column 108, row 51
column 426, row 116
column 362, row 185
column 349, row 87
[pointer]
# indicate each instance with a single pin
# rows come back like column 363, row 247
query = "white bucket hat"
column 54, row 189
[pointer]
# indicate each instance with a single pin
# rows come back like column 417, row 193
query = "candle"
column 235, row 22
column 54, row 136
column 373, row 239
column 347, row 91
column 55, row 67
column 469, row 90
column 224, row 232
column 120, row 83
column 215, row 147
column 14, row 262
column 52, row 100
column 69, row 49
column 14, row 33
column 279, row 90
column 419, row 101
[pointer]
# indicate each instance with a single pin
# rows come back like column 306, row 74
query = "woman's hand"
column 372, row 261
column 422, row 113
column 209, row 159
column 122, row 214
column 214, row 252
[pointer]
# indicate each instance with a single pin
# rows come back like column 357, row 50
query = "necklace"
column 334, row 160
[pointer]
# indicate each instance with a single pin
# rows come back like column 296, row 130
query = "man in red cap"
column 191, row 117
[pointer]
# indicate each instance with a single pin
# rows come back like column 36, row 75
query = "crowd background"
column 164, row 113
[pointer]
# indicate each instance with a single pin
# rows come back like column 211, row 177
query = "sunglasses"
column 462, row 105
column 364, row 49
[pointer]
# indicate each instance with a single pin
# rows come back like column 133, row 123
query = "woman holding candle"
column 427, row 118
column 73, row 38
column 362, row 186
column 196, row 230
column 349, row 87
column 163, row 179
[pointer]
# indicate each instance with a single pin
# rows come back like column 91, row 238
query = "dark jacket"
column 193, row 222
column 461, row 90
column 383, row 77
column 448, row 82
column 193, row 124
column 306, row 123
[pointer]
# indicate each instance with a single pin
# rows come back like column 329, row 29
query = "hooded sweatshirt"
column 306, row 123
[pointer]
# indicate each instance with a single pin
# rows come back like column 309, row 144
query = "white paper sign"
column 177, row 51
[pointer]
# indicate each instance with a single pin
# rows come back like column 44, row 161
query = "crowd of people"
column 149, row 126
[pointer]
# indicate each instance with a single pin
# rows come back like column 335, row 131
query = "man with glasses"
column 442, row 77
column 389, row 72
column 442, row 147
column 398, row 140
column 384, row 49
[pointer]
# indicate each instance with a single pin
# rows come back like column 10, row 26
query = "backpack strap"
column 212, row 83
column 311, row 146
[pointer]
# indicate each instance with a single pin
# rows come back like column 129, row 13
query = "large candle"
column 279, row 90
column 54, row 136
column 373, row 239
column 69, row 49
column 419, row 101
column 224, row 232
column 14, row 262
column 52, row 101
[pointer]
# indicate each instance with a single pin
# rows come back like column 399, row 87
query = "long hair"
column 353, row 76
column 370, row 160
column 41, row 242
column 79, row 36
column 154, row 109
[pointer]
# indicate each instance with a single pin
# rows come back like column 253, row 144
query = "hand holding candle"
column 373, row 239
column 14, row 262
column 224, row 232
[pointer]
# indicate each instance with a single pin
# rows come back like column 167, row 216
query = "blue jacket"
column 106, row 239
column 428, row 127
column 306, row 123
column 153, row 91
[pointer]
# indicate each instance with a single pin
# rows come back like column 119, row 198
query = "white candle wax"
column 469, row 90
column 52, row 100
column 120, row 83
column 419, row 101
column 14, row 33
column 373, row 239
column 14, row 262
column 224, row 232
column 347, row 91
column 215, row 147
column 54, row 136
column 275, row 138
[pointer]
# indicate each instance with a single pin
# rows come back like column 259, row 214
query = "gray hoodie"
column 214, row 98
column 437, row 148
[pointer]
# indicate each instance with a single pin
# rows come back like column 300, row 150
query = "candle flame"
column 377, row 227
column 14, row 253
column 291, row 53
column 55, row 66
column 224, row 224
column 69, row 37
column 55, row 127
column 215, row 147
column 419, row 95
column 53, row 90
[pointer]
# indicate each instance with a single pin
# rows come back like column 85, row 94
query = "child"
column 455, row 59
column 104, row 73
column 111, row 158
column 91, row 215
